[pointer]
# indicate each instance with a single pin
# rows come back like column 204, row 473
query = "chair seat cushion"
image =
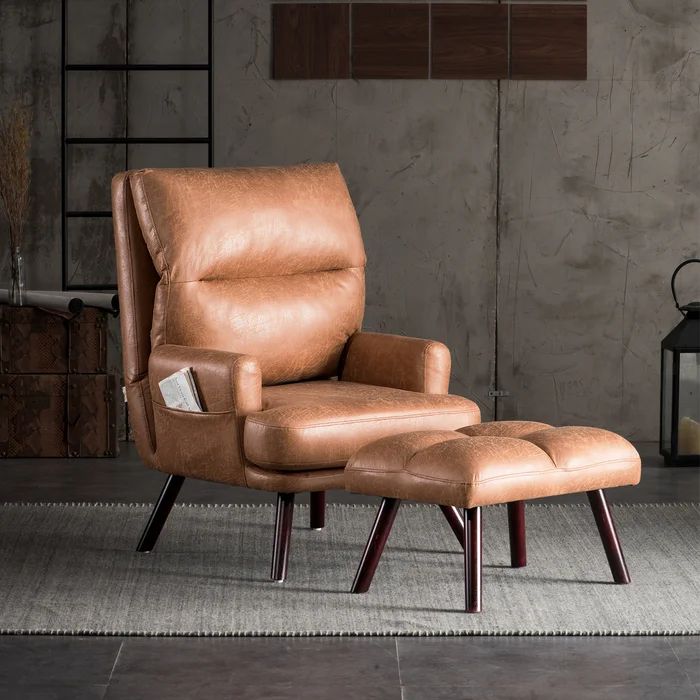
column 321, row 424
column 493, row 463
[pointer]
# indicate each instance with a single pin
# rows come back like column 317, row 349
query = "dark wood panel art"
column 459, row 41
column 311, row 41
column 548, row 42
column 390, row 40
column 469, row 41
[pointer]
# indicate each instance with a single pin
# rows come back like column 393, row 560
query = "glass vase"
column 17, row 273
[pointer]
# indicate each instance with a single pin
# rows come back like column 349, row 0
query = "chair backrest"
column 264, row 261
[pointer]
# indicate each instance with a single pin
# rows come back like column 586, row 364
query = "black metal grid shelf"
column 134, row 139
column 126, row 68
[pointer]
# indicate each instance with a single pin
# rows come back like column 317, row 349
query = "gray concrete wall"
column 598, row 184
column 600, row 200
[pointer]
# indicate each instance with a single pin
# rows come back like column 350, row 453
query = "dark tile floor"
column 517, row 668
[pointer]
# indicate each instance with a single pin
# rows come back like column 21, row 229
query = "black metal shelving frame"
column 126, row 140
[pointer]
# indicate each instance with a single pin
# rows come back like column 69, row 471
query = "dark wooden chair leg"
column 160, row 513
column 283, row 535
column 454, row 518
column 608, row 534
column 516, row 530
column 375, row 544
column 317, row 510
column 472, row 559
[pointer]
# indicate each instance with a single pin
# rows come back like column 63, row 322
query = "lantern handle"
column 673, row 280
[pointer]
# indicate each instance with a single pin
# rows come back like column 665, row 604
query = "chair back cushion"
column 262, row 261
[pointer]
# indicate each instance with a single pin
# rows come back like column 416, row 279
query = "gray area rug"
column 72, row 569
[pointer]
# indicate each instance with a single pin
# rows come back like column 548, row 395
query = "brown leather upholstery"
column 205, row 445
column 267, row 262
column 398, row 362
column 137, row 280
column 322, row 423
column 493, row 463
column 254, row 278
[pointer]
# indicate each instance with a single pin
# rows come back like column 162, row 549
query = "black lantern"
column 680, row 385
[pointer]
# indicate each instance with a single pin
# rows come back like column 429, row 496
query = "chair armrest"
column 225, row 381
column 207, row 445
column 397, row 361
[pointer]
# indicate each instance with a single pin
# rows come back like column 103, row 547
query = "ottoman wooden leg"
column 472, row 558
column 454, row 519
column 606, row 528
column 375, row 544
column 516, row 530
column 317, row 510
column 283, row 534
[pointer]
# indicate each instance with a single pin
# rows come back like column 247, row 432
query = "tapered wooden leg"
column 606, row 528
column 375, row 544
column 283, row 534
column 516, row 530
column 317, row 510
column 472, row 559
column 160, row 513
column 454, row 518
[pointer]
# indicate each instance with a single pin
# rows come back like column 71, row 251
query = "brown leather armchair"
column 254, row 278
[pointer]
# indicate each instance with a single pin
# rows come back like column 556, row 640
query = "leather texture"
column 493, row 463
column 254, row 278
column 322, row 423
column 300, row 481
column 226, row 243
column 137, row 280
column 206, row 445
column 397, row 361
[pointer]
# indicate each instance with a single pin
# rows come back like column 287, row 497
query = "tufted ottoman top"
column 492, row 463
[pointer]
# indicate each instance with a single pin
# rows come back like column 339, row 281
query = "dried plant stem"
column 15, row 173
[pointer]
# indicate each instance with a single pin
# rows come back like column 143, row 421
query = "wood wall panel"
column 390, row 40
column 548, row 42
column 311, row 41
column 469, row 41
column 461, row 41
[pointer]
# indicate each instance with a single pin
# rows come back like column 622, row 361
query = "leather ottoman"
column 486, row 464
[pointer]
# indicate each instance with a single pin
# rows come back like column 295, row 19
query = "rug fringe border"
column 340, row 633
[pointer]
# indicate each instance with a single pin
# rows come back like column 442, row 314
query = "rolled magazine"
column 179, row 391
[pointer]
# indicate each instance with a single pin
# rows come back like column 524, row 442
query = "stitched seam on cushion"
column 587, row 466
column 193, row 413
column 319, row 475
column 239, row 436
column 428, row 346
column 425, row 364
column 330, row 462
column 480, row 481
column 132, row 292
column 262, row 277
column 151, row 428
column 358, row 420
column 420, row 449
column 142, row 187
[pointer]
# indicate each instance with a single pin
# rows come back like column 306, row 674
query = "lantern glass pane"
column 689, row 404
column 667, row 406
